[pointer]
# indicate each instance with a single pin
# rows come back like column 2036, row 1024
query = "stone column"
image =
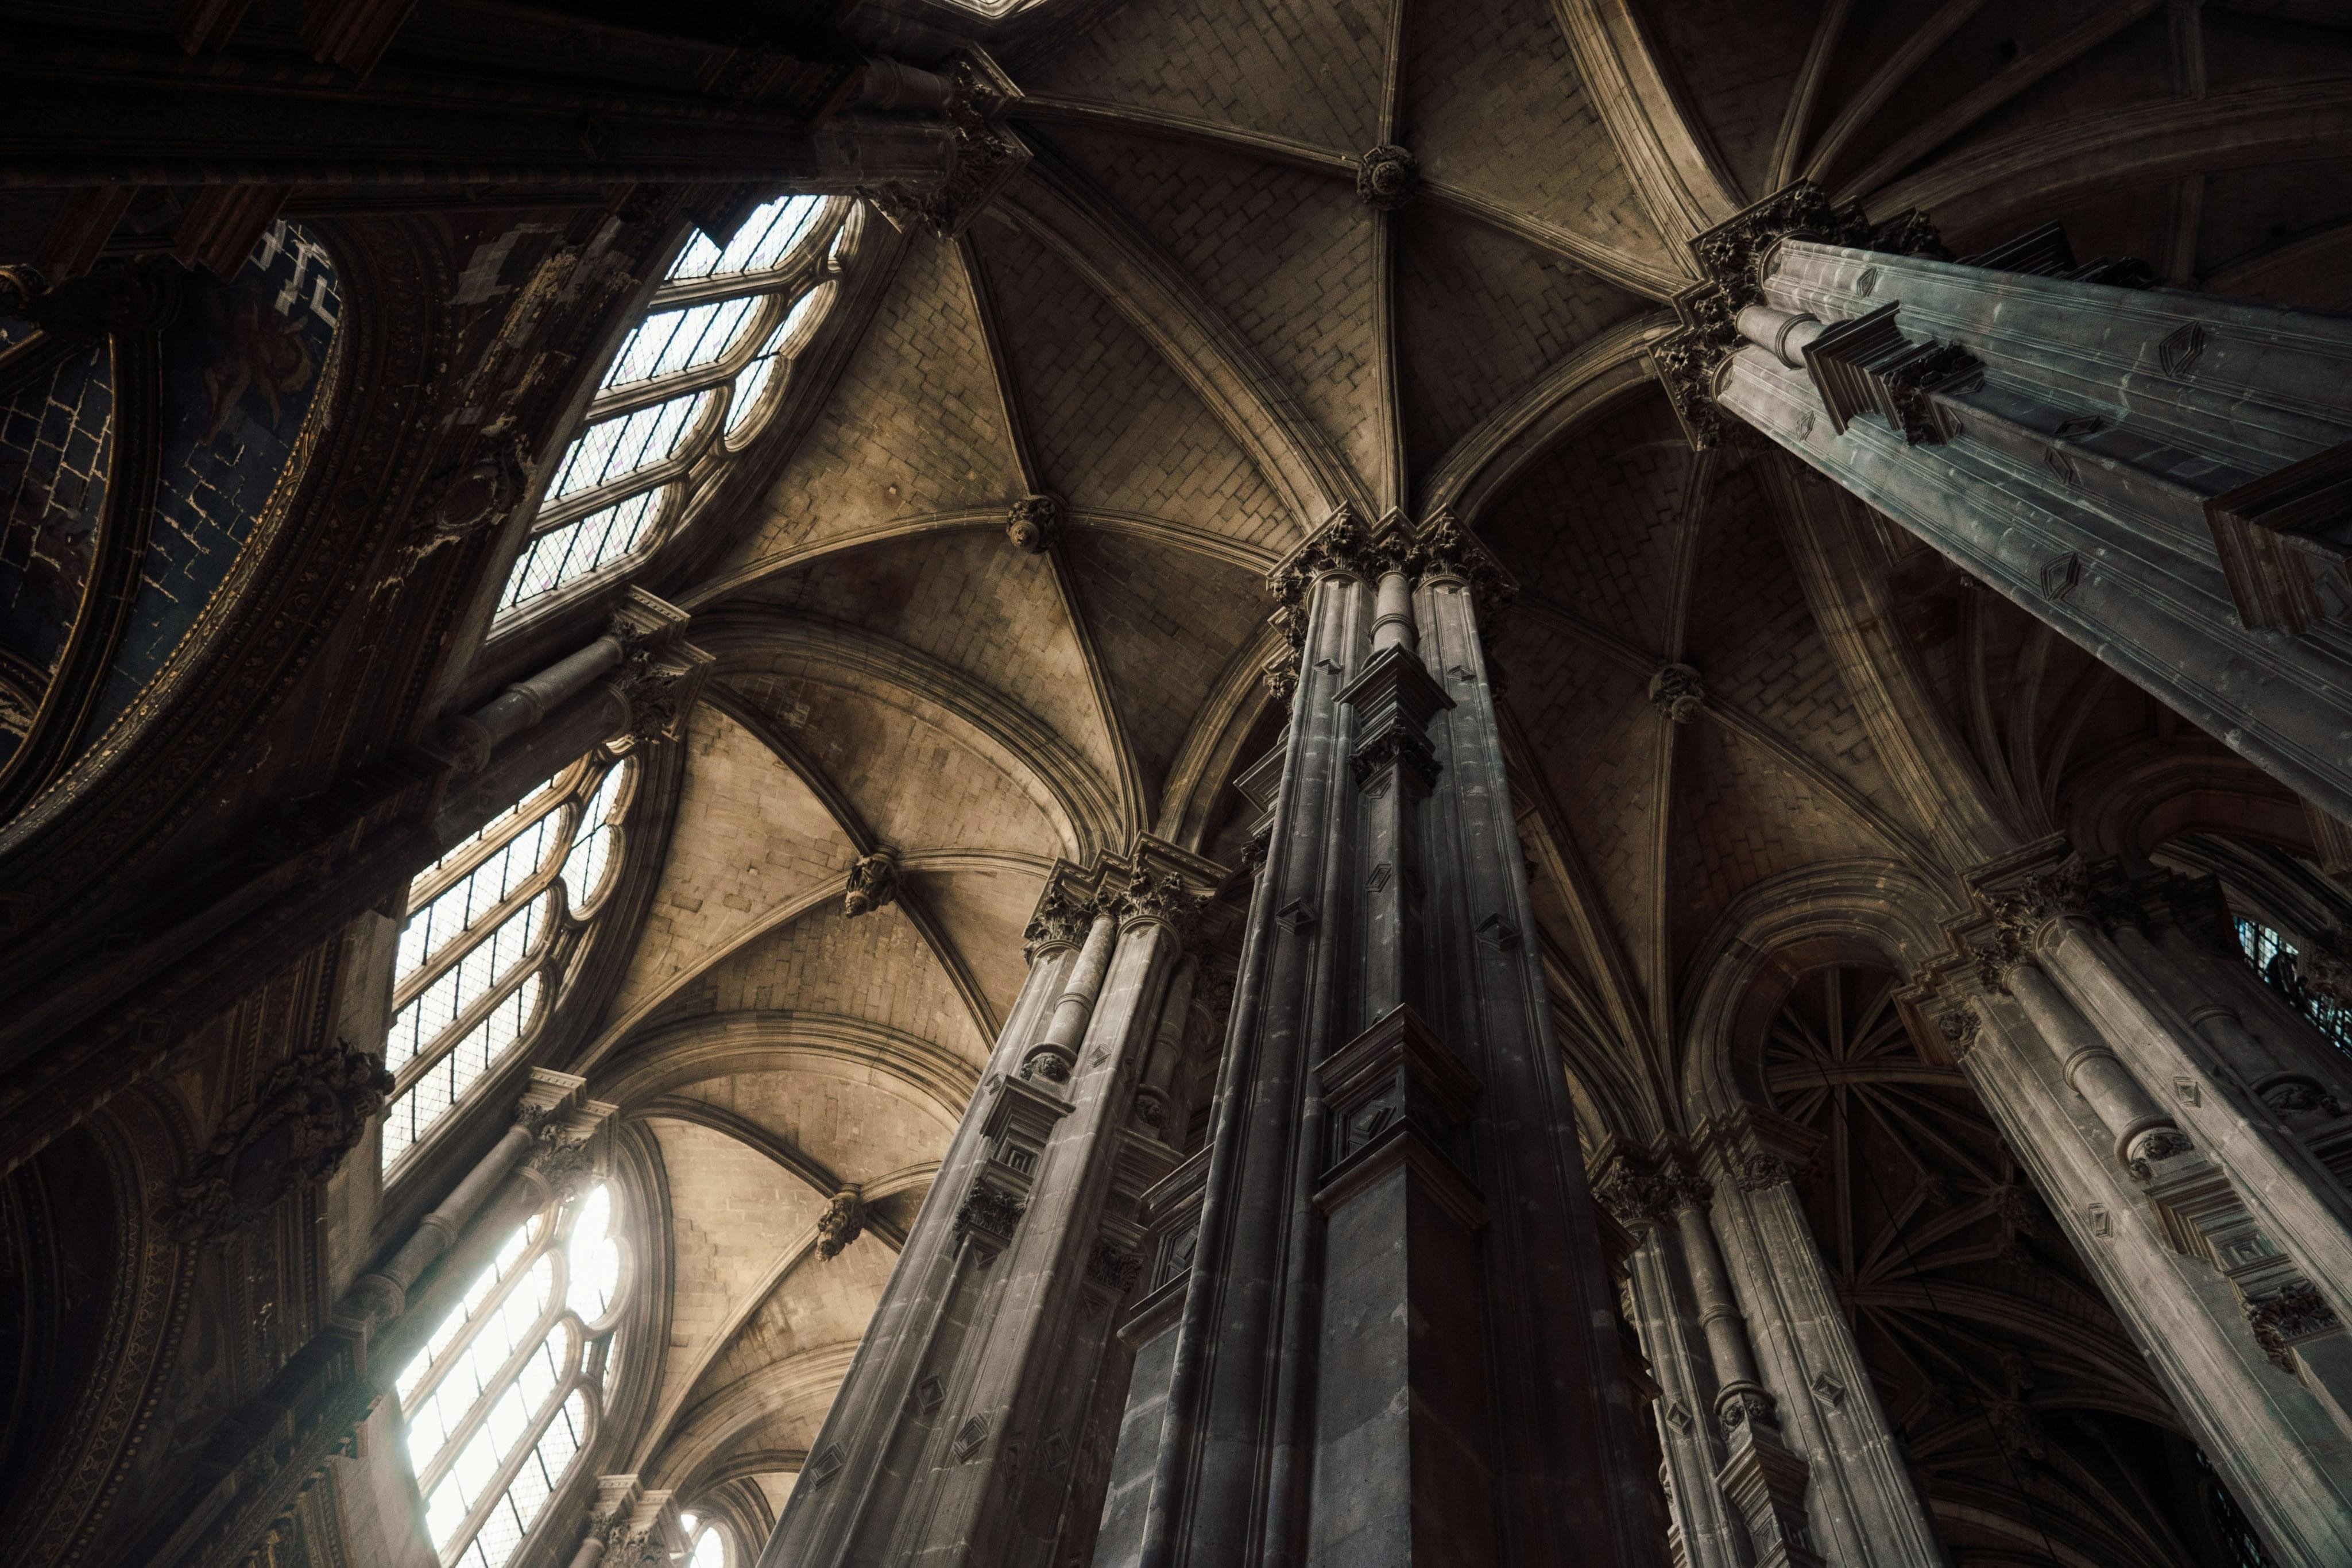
column 961, row 1435
column 1864, row 1507
column 1396, row 1343
column 2269, row 1215
column 2153, row 473
column 1707, row 1531
column 2284, row 1456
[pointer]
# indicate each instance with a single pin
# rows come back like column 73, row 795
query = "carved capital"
column 984, row 155
column 1162, row 899
column 1732, row 258
column 1643, row 1190
column 1959, row 1025
column 1060, row 921
column 989, row 1211
column 298, row 1126
column 873, row 883
column 1113, row 1268
column 661, row 688
column 1386, row 177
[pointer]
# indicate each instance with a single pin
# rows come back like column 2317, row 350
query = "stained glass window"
column 508, row 1390
column 472, row 972
column 693, row 381
column 2278, row 964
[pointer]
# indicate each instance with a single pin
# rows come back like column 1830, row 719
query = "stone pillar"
column 961, row 1433
column 2285, row 1457
column 2269, row 1215
column 1706, row 1530
column 1864, row 1507
column 2153, row 473
column 1396, row 1343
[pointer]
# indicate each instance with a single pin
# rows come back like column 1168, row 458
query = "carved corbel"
column 299, row 1125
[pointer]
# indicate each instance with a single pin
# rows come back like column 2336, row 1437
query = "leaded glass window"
column 692, row 381
column 2277, row 961
column 710, row 1550
column 507, row 1391
column 474, row 972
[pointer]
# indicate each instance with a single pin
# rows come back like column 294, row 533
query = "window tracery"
column 691, row 383
column 474, row 967
column 710, row 1550
column 508, row 1390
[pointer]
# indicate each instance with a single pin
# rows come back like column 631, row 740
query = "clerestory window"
column 691, row 385
column 477, row 963
column 509, row 1391
column 709, row 1549
column 2278, row 964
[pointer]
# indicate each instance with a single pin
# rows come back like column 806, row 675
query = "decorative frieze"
column 2291, row 1315
column 990, row 1211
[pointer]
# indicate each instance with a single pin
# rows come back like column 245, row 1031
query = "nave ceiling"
column 1201, row 324
column 1186, row 325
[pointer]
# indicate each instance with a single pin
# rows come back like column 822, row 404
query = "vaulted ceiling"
column 1184, row 322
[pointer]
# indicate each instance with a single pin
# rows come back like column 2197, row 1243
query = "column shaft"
column 971, row 1426
column 1397, row 1345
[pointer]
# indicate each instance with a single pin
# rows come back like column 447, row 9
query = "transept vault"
column 1097, row 782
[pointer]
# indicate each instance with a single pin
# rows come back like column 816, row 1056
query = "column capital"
column 1644, row 1189
column 1733, row 259
column 984, row 154
column 1754, row 1149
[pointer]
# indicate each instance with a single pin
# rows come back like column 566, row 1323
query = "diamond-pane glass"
column 611, row 450
column 763, row 242
column 669, row 342
column 571, row 550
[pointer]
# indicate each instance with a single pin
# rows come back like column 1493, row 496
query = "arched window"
column 710, row 1550
column 508, row 1390
column 477, row 964
column 691, row 385
column 2274, row 959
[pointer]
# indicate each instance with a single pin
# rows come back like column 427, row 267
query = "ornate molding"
column 1958, row 1027
column 1163, row 898
column 1112, row 1267
column 297, row 1127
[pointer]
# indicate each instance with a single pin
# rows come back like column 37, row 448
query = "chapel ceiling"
column 1187, row 324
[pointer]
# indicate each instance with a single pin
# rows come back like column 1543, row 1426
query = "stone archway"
column 2033, row 1431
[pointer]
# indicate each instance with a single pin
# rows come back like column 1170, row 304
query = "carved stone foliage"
column 873, row 883
column 989, row 1211
column 1440, row 549
column 2297, row 1312
column 842, row 1222
column 1060, row 921
column 1163, row 898
column 984, row 155
column 1643, row 1191
column 1386, row 176
column 1113, row 1266
column 297, row 1127
column 1731, row 258
column 1958, row 1027
column 1399, row 747
column 1033, row 522
column 1678, row 691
